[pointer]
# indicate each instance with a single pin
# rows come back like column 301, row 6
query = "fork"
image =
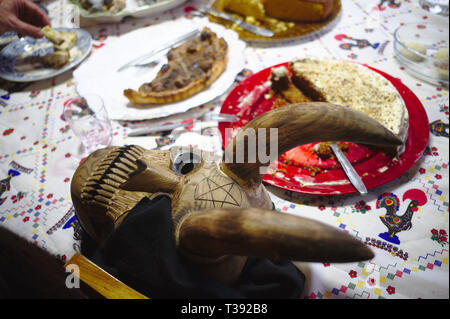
column 143, row 60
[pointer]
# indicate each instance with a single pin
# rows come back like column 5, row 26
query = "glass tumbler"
column 88, row 119
column 435, row 6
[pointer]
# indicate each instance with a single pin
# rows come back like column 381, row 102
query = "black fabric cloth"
column 142, row 253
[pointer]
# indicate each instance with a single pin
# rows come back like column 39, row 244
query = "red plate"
column 377, row 169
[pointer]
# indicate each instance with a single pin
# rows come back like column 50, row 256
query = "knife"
column 165, row 46
column 170, row 126
column 247, row 26
column 351, row 173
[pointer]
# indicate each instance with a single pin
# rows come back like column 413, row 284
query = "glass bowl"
column 423, row 50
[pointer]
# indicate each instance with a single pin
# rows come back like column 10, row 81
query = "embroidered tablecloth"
column 39, row 154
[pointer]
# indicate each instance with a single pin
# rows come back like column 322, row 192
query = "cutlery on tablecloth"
column 145, row 57
column 247, row 26
column 351, row 173
column 170, row 126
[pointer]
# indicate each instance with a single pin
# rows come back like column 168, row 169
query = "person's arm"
column 22, row 16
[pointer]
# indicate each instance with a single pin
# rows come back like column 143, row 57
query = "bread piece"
column 441, row 63
column 63, row 43
column 299, row 10
column 69, row 40
column 442, row 55
column 192, row 67
column 62, row 40
column 54, row 36
column 410, row 50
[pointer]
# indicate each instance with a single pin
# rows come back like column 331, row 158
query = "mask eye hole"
column 185, row 162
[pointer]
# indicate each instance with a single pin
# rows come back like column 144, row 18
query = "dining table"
column 39, row 151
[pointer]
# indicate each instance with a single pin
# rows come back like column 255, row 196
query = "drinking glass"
column 435, row 6
column 88, row 119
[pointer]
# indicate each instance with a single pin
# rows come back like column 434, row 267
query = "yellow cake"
column 247, row 8
column 290, row 10
column 299, row 10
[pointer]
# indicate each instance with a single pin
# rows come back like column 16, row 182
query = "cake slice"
column 64, row 45
column 192, row 67
column 289, row 10
column 354, row 86
column 247, row 8
column 299, row 10
column 57, row 59
column 282, row 88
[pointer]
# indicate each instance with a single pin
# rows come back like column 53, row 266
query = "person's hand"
column 22, row 16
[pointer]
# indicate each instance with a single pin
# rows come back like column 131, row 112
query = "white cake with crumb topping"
column 355, row 86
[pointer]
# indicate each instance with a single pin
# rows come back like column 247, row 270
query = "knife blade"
column 158, row 128
column 170, row 126
column 247, row 26
column 163, row 47
column 349, row 170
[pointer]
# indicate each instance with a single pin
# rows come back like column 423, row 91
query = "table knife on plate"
column 349, row 170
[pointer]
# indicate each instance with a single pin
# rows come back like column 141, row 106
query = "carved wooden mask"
column 222, row 210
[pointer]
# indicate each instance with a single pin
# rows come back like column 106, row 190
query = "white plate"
column 99, row 75
column 15, row 68
column 133, row 8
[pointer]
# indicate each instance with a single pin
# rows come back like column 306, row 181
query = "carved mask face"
column 221, row 208
column 112, row 180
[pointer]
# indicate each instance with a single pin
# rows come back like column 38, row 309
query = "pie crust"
column 191, row 68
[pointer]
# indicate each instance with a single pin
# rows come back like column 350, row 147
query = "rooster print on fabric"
column 5, row 184
column 354, row 43
column 394, row 222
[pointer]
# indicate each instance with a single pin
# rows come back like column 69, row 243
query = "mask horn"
column 299, row 124
column 266, row 234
